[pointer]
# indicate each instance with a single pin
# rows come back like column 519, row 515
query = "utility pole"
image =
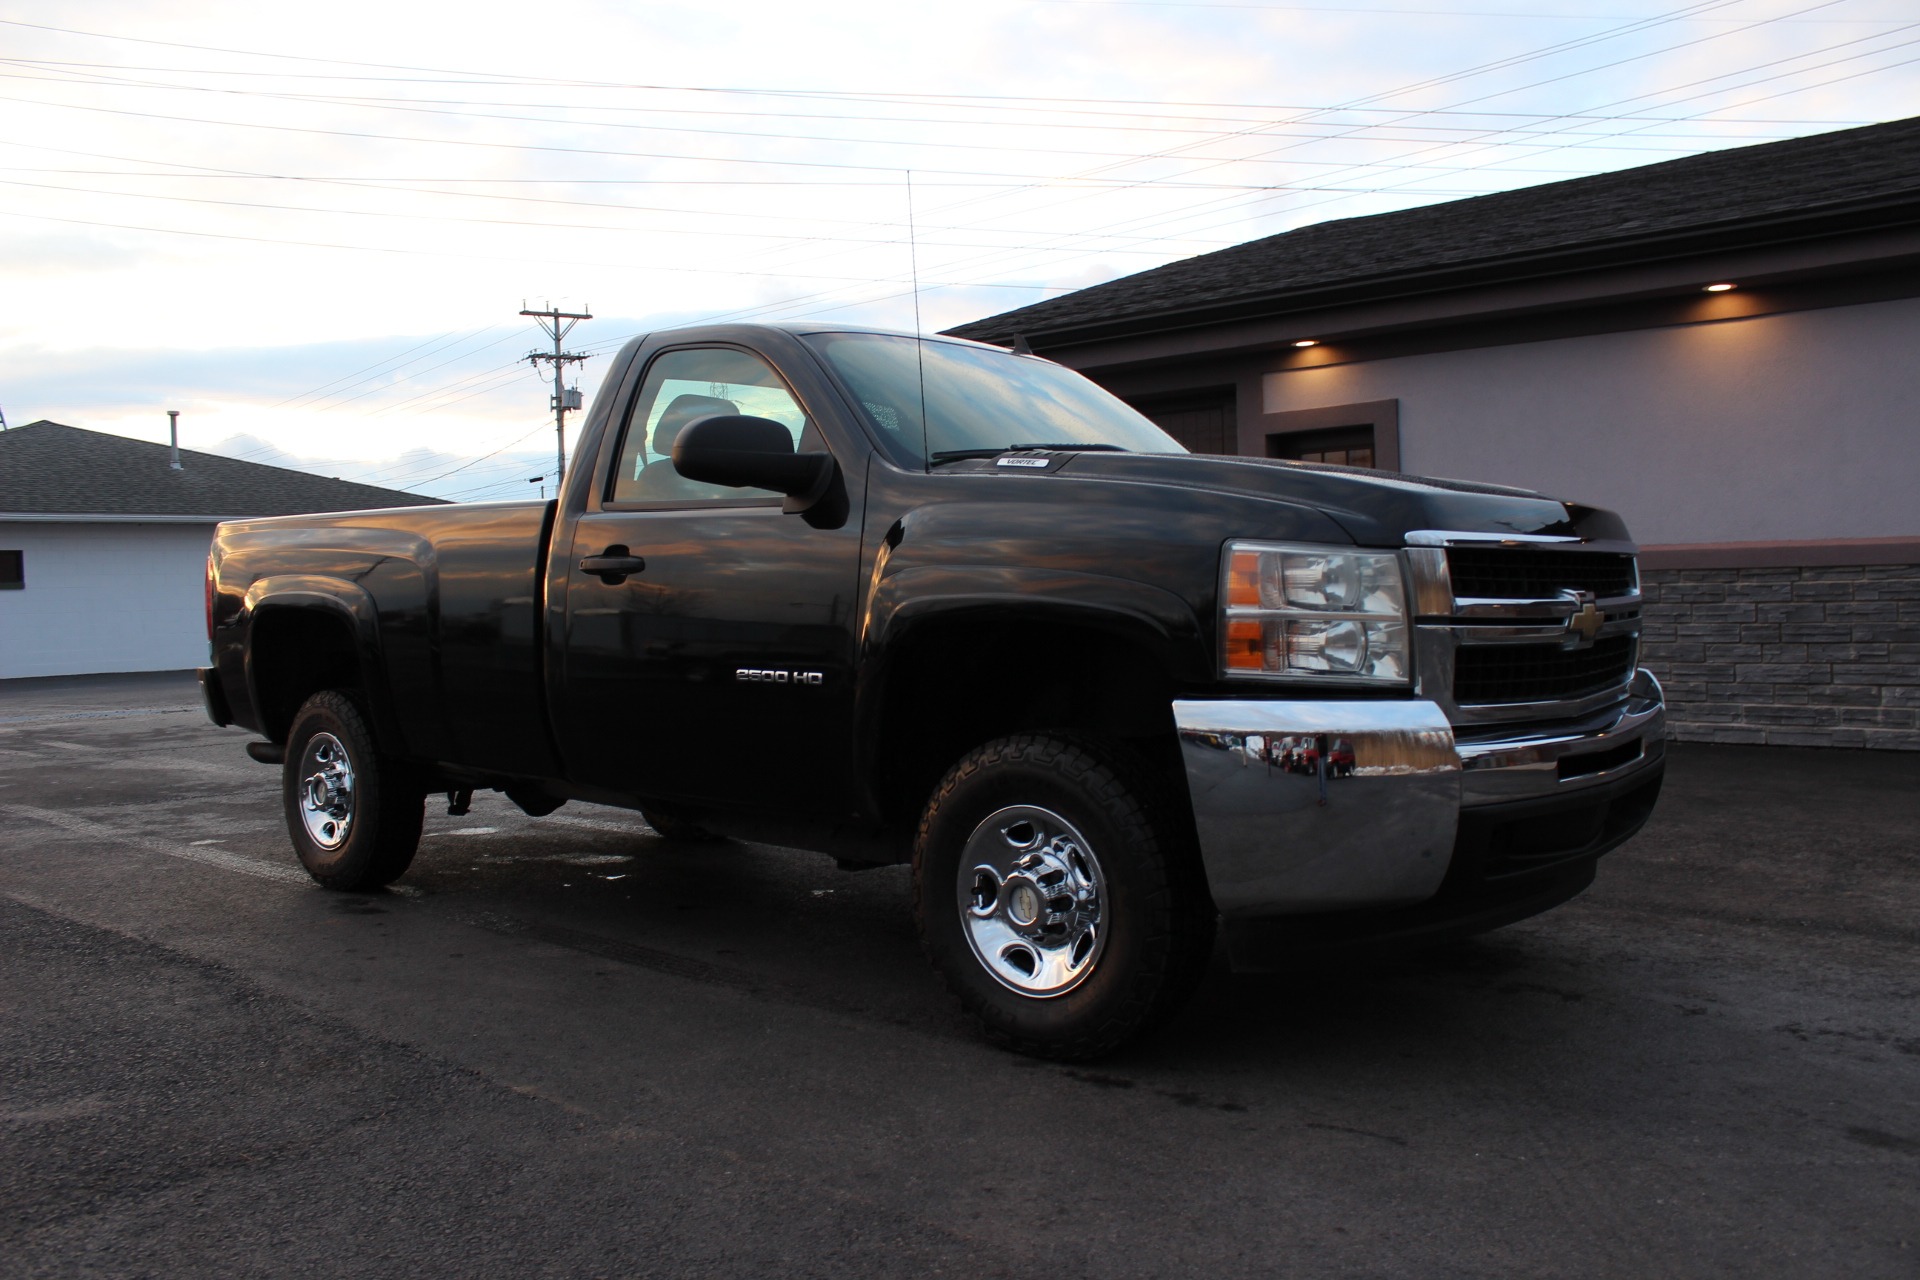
column 557, row 324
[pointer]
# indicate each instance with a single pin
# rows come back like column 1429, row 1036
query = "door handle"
column 613, row 565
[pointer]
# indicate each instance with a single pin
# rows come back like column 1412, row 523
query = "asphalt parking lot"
column 566, row 1047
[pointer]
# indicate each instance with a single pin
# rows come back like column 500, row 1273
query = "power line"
column 376, row 365
column 801, row 302
column 441, row 365
column 1137, row 222
column 441, row 219
column 482, row 458
column 1030, row 248
column 524, row 223
column 1345, row 9
column 1582, row 142
column 1013, row 178
column 505, row 78
column 445, row 108
column 785, row 220
column 428, row 253
column 1629, row 28
column 474, row 462
column 1480, row 69
column 1131, row 119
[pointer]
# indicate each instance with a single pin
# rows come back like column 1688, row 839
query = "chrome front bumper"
column 1336, row 805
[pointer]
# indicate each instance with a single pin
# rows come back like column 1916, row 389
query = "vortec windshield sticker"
column 1022, row 462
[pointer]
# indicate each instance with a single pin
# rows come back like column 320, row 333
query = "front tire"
column 1060, row 896
column 354, row 814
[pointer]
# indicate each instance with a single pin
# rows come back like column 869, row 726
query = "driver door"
column 720, row 672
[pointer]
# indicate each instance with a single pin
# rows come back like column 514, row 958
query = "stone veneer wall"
column 1803, row 657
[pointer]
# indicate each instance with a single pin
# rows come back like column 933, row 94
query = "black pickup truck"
column 894, row 598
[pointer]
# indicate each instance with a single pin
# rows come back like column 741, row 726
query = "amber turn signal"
column 1243, row 578
column 1246, row 646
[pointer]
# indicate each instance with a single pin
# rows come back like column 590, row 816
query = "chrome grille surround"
column 1444, row 624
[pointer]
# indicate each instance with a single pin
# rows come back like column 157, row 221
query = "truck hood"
column 1376, row 508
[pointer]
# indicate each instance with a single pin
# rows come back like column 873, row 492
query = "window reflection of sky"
column 759, row 402
column 978, row 399
column 714, row 378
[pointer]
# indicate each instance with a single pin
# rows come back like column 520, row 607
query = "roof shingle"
column 47, row 468
column 1870, row 175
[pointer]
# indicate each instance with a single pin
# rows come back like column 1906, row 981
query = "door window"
column 680, row 387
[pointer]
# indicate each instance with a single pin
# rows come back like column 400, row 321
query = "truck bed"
column 452, row 594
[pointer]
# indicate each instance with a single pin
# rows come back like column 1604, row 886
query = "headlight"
column 1301, row 611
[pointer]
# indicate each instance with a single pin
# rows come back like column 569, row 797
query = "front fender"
column 919, row 600
column 1156, row 619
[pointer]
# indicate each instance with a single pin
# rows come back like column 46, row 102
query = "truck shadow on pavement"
column 790, row 928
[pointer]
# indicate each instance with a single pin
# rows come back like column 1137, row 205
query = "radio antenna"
column 919, row 343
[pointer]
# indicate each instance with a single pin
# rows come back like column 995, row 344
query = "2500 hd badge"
column 774, row 675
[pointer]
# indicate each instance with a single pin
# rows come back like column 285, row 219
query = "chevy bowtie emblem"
column 1585, row 622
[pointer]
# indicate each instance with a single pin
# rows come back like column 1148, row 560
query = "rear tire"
column 354, row 815
column 1059, row 894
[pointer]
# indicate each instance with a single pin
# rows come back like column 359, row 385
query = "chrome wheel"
column 326, row 791
column 1030, row 899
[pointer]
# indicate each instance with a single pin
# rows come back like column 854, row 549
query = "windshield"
column 978, row 400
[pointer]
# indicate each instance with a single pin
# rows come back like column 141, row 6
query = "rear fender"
column 336, row 599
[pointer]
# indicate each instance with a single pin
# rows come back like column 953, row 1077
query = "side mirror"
column 752, row 453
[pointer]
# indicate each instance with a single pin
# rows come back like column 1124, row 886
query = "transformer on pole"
column 557, row 324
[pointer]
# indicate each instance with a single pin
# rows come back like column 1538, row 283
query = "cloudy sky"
column 310, row 229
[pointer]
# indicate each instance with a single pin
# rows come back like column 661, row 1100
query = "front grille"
column 1494, row 673
column 1503, row 573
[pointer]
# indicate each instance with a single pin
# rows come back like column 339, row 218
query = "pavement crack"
column 1358, row 1133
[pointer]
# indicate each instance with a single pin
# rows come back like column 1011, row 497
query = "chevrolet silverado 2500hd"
column 1106, row 696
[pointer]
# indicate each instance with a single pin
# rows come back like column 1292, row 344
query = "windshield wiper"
column 961, row 455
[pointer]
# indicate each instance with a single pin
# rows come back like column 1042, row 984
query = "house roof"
column 47, row 468
column 1829, row 183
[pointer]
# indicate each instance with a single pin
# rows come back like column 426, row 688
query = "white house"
column 103, row 545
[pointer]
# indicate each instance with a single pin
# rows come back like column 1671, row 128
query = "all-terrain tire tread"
column 394, row 810
column 1180, row 917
